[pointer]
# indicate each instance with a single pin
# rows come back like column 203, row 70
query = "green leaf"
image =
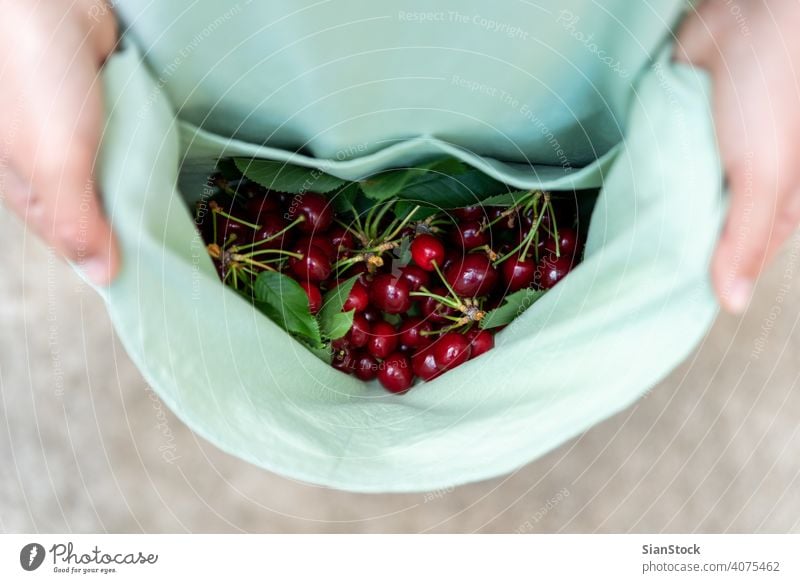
column 508, row 199
column 337, row 325
column 391, row 183
column 287, row 177
column 322, row 352
column 286, row 303
column 344, row 201
column 512, row 307
column 332, row 321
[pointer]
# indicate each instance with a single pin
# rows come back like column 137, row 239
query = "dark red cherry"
column 366, row 367
column 518, row 273
column 227, row 227
column 474, row 276
column 415, row 276
column 450, row 350
column 552, row 269
column 427, row 250
column 433, row 309
column 319, row 241
column 314, row 266
column 259, row 207
column 271, row 224
column 358, row 299
column 410, row 330
column 344, row 360
column 424, row 365
column 341, row 238
column 383, row 339
column 359, row 331
column 469, row 213
column 567, row 240
column 395, row 373
column 316, row 210
column 390, row 293
column 314, row 296
column 480, row 341
column 468, row 235
column 372, row 315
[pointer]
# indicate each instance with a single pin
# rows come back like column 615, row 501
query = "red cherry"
column 314, row 266
column 372, row 315
column 270, row 225
column 318, row 240
column 469, row 213
column 433, row 310
column 390, row 293
column 395, row 373
column 552, row 269
column 410, row 332
column 344, row 360
column 567, row 241
column 518, row 273
column 366, row 367
column 427, row 250
column 480, row 341
column 415, row 276
column 468, row 235
column 341, row 238
column 474, row 276
column 383, row 339
column 359, row 331
column 424, row 365
column 451, row 350
column 314, row 296
column 358, row 299
column 316, row 210
column 261, row 206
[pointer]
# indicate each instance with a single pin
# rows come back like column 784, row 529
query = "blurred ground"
column 711, row 449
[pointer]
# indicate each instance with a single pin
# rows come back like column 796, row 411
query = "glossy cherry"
column 553, row 269
column 271, row 224
column 390, row 293
column 316, row 210
column 474, row 276
column 359, row 331
column 450, row 350
column 314, row 266
column 383, row 339
column 320, row 241
column 415, row 276
column 395, row 373
column 410, row 332
column 433, row 310
column 469, row 213
column 518, row 273
column 480, row 341
column 344, row 360
column 424, row 365
column 341, row 238
column 427, row 251
column 314, row 296
column 567, row 241
column 469, row 235
column 366, row 367
column 358, row 299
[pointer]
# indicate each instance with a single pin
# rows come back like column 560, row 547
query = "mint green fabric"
column 622, row 320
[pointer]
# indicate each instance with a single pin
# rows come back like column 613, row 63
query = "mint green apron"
column 538, row 94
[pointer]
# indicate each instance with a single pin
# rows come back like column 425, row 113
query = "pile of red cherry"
column 424, row 284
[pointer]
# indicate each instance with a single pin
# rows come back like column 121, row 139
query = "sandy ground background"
column 713, row 448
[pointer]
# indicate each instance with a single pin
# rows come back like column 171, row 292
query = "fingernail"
column 96, row 269
column 739, row 295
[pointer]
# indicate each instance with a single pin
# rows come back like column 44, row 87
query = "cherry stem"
column 376, row 220
column 276, row 251
column 525, row 199
column 525, row 242
column 358, row 234
column 449, row 302
column 444, row 281
column 215, row 209
column 401, row 226
column 294, row 223
column 458, row 323
column 555, row 226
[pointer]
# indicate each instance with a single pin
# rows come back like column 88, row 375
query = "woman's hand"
column 52, row 115
column 752, row 52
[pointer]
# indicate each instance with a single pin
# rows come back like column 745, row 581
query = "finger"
column 56, row 159
column 699, row 32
